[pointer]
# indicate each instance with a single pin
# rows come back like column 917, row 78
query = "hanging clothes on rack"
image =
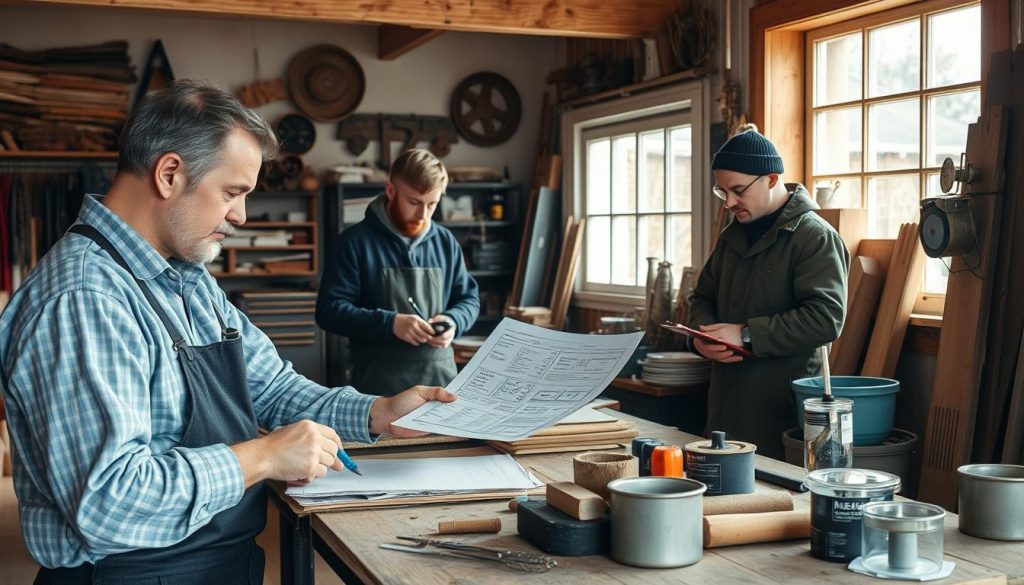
column 39, row 200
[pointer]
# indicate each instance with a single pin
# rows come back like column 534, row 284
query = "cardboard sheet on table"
column 684, row 330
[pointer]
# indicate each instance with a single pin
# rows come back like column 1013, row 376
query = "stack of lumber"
column 71, row 98
column 902, row 282
column 553, row 317
column 585, row 430
column 865, row 285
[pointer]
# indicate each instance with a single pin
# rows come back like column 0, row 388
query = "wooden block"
column 576, row 501
column 861, row 305
column 851, row 223
column 557, row 533
column 733, row 529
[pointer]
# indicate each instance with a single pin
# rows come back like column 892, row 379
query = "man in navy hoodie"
column 396, row 254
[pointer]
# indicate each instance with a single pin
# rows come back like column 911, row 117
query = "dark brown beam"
column 393, row 40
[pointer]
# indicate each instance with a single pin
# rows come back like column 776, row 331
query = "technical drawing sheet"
column 524, row 378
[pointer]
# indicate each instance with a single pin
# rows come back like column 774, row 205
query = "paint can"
column 726, row 467
column 837, row 497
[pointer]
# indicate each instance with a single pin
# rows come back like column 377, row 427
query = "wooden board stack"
column 902, row 282
column 861, row 303
column 587, row 430
column 71, row 98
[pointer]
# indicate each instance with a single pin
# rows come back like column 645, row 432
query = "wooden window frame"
column 777, row 66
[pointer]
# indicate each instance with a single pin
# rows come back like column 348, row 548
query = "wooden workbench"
column 350, row 540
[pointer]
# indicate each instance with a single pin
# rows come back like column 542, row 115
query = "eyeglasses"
column 722, row 193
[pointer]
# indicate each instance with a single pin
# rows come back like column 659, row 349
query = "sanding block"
column 557, row 533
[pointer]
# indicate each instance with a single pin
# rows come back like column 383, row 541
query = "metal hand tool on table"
column 521, row 560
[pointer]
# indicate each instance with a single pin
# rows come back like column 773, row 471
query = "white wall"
column 221, row 50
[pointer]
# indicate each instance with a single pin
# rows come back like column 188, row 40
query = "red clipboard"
column 683, row 329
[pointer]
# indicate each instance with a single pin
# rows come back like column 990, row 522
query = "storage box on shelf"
column 279, row 238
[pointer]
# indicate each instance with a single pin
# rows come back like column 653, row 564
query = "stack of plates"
column 675, row 368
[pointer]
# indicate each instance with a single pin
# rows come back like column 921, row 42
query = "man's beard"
column 201, row 251
column 410, row 229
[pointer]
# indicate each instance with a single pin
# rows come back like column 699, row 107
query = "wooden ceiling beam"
column 393, row 40
column 573, row 18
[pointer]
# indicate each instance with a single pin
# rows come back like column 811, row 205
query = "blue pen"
column 347, row 462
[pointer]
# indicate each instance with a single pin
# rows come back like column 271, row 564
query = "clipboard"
column 684, row 330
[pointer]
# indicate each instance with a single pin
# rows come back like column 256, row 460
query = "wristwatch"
column 745, row 336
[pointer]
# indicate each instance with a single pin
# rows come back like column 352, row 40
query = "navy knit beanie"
column 749, row 153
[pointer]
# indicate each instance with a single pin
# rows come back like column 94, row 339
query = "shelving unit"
column 251, row 261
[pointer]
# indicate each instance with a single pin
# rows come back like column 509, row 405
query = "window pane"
column 954, row 46
column 680, row 242
column 623, row 244
column 624, row 174
column 837, row 70
column 652, row 173
column 846, row 196
column 948, row 117
column 894, row 58
column 651, row 239
column 599, row 263
column 932, row 188
column 598, row 163
column 681, row 169
column 894, row 135
column 936, row 275
column 837, row 141
column 892, row 201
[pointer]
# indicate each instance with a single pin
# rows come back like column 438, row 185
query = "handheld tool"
column 438, row 326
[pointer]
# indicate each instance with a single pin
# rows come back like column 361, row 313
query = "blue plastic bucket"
column 874, row 403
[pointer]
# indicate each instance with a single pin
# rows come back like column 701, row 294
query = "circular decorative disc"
column 486, row 109
column 326, row 82
column 296, row 134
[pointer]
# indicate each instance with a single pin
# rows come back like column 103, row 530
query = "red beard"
column 409, row 228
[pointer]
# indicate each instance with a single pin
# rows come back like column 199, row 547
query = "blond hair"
column 420, row 169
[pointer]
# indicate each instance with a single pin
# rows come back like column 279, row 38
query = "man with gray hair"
column 134, row 389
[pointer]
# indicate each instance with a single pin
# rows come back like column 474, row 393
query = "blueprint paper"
column 524, row 378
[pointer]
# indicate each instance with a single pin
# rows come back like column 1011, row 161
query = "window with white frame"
column 638, row 176
column 891, row 96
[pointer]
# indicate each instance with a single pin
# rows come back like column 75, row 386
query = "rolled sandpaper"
column 766, row 501
column 469, row 526
column 733, row 529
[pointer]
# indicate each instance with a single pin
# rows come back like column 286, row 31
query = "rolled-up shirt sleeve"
column 83, row 382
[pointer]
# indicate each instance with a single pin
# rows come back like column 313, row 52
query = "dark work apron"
column 219, row 410
column 388, row 367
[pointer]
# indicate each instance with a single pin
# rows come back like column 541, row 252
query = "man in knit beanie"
column 775, row 283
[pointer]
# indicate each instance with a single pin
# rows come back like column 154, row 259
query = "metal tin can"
column 726, row 467
column 837, row 496
column 657, row 522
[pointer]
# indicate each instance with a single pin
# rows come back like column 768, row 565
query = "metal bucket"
column 657, row 522
column 991, row 500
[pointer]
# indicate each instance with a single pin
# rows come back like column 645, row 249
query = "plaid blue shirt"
column 96, row 399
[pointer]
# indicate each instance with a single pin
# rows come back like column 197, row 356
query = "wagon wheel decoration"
column 486, row 109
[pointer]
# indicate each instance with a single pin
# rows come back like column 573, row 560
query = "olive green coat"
column 789, row 287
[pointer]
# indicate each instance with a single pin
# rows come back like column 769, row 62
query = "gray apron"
column 219, row 410
column 387, row 367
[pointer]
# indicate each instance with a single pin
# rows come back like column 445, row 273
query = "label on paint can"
column 836, row 526
column 710, row 474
